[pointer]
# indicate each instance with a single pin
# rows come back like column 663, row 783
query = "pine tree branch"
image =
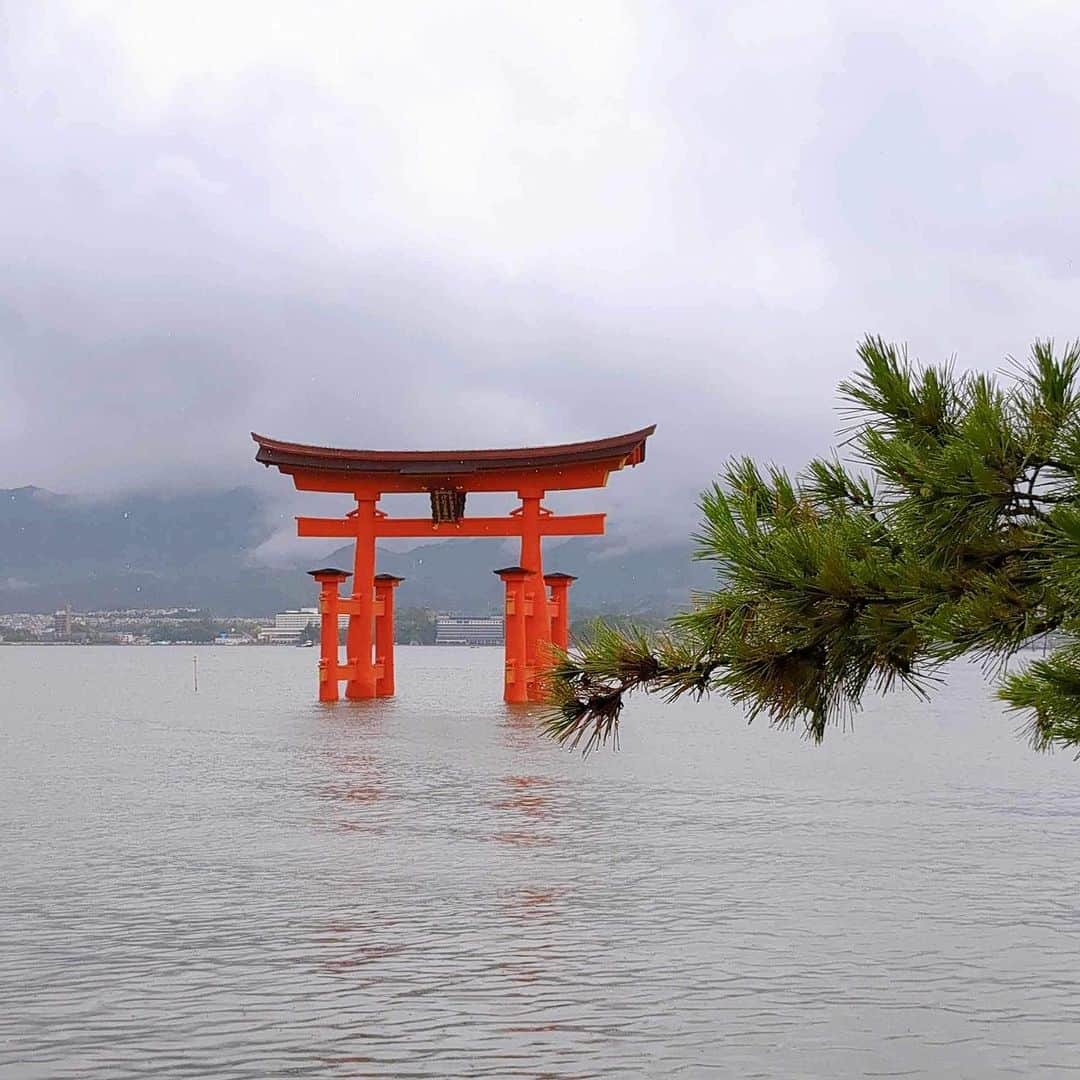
column 964, row 540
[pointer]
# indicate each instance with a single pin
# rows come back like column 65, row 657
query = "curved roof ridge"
column 619, row 450
column 612, row 442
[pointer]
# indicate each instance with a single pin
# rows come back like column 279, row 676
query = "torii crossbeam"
column 534, row 619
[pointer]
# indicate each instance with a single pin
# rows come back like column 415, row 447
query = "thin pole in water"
column 195, row 670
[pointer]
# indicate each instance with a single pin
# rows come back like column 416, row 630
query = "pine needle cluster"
column 952, row 529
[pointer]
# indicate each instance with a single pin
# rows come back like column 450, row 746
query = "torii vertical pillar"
column 361, row 683
column 329, row 580
column 385, row 584
column 516, row 673
column 560, row 608
column 537, row 618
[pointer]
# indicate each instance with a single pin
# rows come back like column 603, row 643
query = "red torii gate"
column 534, row 619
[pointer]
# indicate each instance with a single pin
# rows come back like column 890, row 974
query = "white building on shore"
column 468, row 629
column 289, row 625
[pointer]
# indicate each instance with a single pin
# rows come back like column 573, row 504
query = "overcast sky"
column 435, row 225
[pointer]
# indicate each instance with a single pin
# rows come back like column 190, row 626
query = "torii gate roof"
column 567, row 464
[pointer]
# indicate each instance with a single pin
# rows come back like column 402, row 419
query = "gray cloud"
column 397, row 225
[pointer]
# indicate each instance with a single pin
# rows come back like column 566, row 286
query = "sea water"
column 241, row 882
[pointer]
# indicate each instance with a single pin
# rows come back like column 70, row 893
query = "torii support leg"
column 385, row 584
column 362, row 615
column 329, row 601
column 560, row 604
column 516, row 671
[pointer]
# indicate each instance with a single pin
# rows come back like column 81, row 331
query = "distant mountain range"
column 196, row 550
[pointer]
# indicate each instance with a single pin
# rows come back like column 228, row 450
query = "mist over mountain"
column 135, row 551
column 197, row 550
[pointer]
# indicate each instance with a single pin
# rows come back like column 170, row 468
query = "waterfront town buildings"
column 195, row 626
column 450, row 629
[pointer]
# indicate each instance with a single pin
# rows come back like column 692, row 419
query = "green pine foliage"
column 952, row 529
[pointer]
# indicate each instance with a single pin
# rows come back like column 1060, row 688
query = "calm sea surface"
column 243, row 883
